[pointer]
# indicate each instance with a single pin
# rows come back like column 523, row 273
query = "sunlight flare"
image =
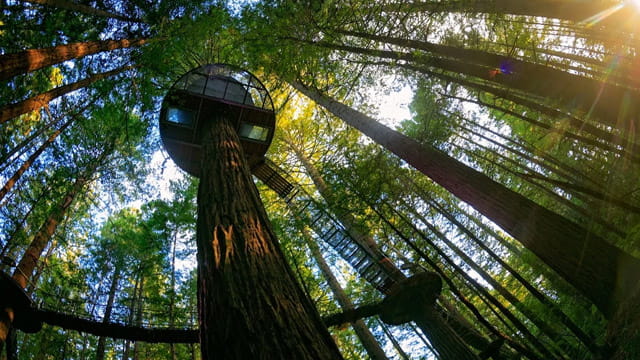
column 595, row 19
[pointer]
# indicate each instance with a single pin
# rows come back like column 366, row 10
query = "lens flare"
column 604, row 14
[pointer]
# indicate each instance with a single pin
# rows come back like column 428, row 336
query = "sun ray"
column 593, row 20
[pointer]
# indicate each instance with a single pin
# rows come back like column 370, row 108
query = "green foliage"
column 119, row 224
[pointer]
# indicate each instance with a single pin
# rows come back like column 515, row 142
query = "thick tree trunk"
column 362, row 331
column 11, row 111
column 250, row 305
column 34, row 59
column 603, row 273
column 84, row 9
column 27, row 164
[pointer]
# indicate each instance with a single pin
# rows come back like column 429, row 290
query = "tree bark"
column 250, row 306
column 30, row 60
column 11, row 111
column 603, row 273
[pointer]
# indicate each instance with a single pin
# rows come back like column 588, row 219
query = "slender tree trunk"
column 172, row 291
column 396, row 345
column 603, row 273
column 587, row 340
column 550, row 111
column 4, row 163
column 608, row 103
column 27, row 164
column 11, row 111
column 362, row 331
column 582, row 211
column 577, row 191
column 479, row 288
column 132, row 313
column 573, row 10
column 455, row 346
column 107, row 311
column 84, row 9
column 347, row 220
column 137, row 345
column 29, row 261
column 633, row 148
column 545, row 328
column 30, row 60
column 250, row 305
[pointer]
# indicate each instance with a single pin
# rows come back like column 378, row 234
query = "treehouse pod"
column 201, row 94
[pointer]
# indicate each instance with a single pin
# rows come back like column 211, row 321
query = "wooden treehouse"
column 214, row 89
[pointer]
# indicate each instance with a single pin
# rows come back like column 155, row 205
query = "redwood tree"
column 250, row 305
column 33, row 59
column 602, row 272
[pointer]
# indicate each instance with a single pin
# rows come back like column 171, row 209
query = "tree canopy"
column 511, row 173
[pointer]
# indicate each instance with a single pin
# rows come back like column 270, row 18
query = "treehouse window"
column 180, row 116
column 253, row 132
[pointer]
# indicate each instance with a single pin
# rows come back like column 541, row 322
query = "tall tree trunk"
column 396, row 345
column 631, row 153
column 137, row 345
column 27, row 164
column 107, row 311
column 11, row 111
column 30, row 60
column 250, row 305
column 553, row 113
column 610, row 104
column 29, row 260
column 172, row 292
column 572, row 10
column 587, row 340
column 20, row 148
column 359, row 235
column 132, row 313
column 455, row 346
column 601, row 272
column 84, row 9
column 522, row 329
column 362, row 331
